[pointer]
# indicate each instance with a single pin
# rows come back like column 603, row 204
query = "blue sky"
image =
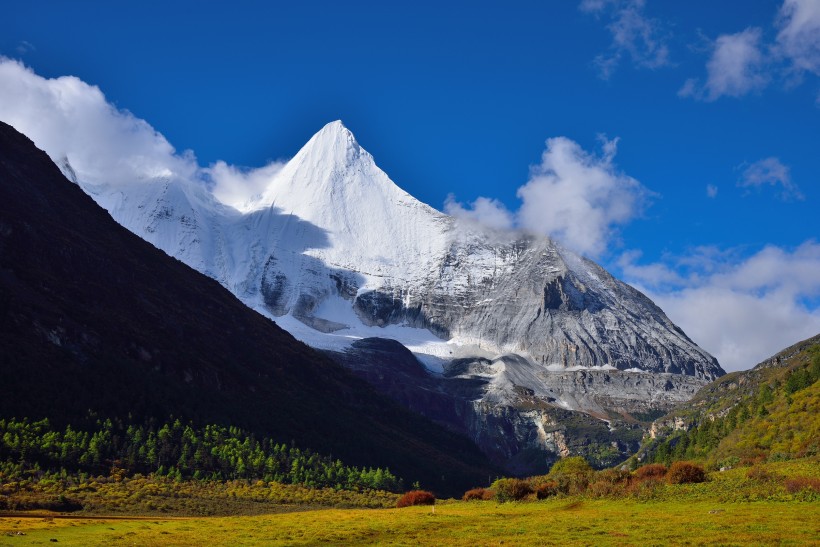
column 689, row 132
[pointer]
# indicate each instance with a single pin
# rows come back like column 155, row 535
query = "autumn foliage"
column 478, row 494
column 685, row 472
column 416, row 497
column 651, row 471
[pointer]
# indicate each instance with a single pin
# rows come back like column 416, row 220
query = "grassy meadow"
column 743, row 506
column 556, row 521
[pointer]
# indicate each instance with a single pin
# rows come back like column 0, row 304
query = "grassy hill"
column 768, row 413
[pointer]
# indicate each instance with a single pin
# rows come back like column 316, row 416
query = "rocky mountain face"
column 96, row 322
column 512, row 329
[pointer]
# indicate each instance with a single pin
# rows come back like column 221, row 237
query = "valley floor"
column 563, row 521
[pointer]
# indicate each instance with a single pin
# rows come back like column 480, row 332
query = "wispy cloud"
column 744, row 62
column 711, row 190
column 24, row 47
column 770, row 172
column 798, row 38
column 634, row 35
column 486, row 211
column 739, row 308
column 72, row 121
column 736, row 67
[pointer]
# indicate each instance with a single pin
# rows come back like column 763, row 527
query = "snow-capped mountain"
column 335, row 252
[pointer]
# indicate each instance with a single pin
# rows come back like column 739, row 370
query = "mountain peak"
column 333, row 136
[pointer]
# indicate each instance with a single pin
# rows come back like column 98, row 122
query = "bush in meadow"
column 478, row 494
column 416, row 497
column 684, row 473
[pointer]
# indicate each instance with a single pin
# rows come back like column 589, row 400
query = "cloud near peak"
column 574, row 196
column 74, row 123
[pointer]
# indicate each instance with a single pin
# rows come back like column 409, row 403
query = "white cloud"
column 742, row 63
column 798, row 38
column 68, row 118
column 770, row 172
column 737, row 67
column 740, row 309
column 711, row 190
column 489, row 212
column 634, row 35
column 235, row 186
column 574, row 196
column 578, row 197
column 72, row 120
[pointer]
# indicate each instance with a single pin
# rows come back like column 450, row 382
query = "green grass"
column 742, row 506
column 556, row 521
column 731, row 508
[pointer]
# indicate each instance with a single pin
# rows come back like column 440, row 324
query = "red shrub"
column 685, row 472
column 653, row 470
column 416, row 497
column 478, row 494
column 798, row 484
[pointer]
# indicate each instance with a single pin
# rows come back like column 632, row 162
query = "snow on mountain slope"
column 336, row 252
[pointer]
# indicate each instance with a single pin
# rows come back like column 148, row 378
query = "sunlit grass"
column 744, row 506
column 565, row 521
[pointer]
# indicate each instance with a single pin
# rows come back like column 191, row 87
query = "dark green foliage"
column 178, row 451
column 511, row 489
column 648, row 416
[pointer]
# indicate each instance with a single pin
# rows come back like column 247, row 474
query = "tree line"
column 177, row 450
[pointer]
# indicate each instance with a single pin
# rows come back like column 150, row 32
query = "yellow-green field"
column 558, row 521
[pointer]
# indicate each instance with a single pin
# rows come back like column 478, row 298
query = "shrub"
column 606, row 489
column 511, row 489
column 613, row 476
column 647, row 489
column 478, row 494
column 416, row 497
column 759, row 473
column 572, row 465
column 798, row 484
column 685, row 472
column 544, row 489
column 653, row 471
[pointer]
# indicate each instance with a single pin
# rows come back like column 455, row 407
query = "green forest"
column 173, row 449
